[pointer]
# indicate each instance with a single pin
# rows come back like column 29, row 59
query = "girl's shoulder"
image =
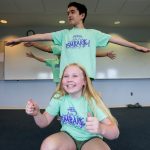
column 59, row 96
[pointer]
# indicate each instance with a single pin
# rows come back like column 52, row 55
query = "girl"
column 84, row 117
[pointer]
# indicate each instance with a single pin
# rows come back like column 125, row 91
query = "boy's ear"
column 83, row 15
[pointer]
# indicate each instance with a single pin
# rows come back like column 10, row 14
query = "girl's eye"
column 75, row 76
column 65, row 76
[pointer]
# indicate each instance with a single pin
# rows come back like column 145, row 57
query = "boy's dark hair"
column 82, row 8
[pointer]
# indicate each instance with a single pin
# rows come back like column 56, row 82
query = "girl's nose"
column 69, row 78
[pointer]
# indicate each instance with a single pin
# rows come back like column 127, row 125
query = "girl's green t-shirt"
column 73, row 114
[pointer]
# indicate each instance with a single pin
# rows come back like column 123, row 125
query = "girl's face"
column 73, row 81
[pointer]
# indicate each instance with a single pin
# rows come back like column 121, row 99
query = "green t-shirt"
column 56, row 49
column 73, row 115
column 54, row 63
column 79, row 46
column 55, row 66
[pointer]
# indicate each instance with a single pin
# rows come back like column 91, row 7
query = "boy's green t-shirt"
column 73, row 114
column 79, row 46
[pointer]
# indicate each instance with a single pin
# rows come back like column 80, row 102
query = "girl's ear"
column 84, row 82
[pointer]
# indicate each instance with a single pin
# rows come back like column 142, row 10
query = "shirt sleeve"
column 99, row 112
column 56, row 49
column 53, row 106
column 102, row 39
column 48, row 62
column 58, row 37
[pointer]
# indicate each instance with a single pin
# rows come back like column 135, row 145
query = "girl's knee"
column 44, row 145
column 95, row 144
column 59, row 141
column 48, row 144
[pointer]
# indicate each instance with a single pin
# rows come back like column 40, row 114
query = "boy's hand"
column 13, row 42
column 142, row 49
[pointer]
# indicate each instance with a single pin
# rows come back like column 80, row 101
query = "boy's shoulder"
column 73, row 29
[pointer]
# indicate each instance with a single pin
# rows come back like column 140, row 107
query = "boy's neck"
column 80, row 26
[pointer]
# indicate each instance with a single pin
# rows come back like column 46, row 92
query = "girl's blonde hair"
column 89, row 93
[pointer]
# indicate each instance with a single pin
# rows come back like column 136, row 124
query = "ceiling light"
column 62, row 21
column 117, row 22
column 3, row 21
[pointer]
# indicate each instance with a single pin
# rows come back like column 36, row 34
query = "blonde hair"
column 88, row 92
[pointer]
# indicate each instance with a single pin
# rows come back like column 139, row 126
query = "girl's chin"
column 70, row 92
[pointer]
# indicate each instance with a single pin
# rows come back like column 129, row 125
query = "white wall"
column 116, row 93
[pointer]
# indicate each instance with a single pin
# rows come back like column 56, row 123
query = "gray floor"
column 19, row 132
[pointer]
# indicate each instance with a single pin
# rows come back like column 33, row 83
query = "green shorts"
column 79, row 144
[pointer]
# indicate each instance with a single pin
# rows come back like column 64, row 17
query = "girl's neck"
column 76, row 95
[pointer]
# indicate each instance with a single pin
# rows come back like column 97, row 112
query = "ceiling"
column 131, row 13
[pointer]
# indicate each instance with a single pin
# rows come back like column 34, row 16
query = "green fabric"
column 79, row 46
column 56, row 49
column 54, row 65
column 73, row 114
column 79, row 144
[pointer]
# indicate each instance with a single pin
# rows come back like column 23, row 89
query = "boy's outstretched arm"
column 123, row 42
column 109, row 54
column 35, row 37
column 38, row 46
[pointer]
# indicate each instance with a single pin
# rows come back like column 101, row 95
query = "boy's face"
column 74, row 18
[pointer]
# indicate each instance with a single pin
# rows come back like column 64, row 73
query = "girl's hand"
column 111, row 55
column 92, row 124
column 32, row 108
column 28, row 44
column 30, row 54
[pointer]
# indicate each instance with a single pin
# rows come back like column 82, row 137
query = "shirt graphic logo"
column 72, row 118
column 77, row 42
